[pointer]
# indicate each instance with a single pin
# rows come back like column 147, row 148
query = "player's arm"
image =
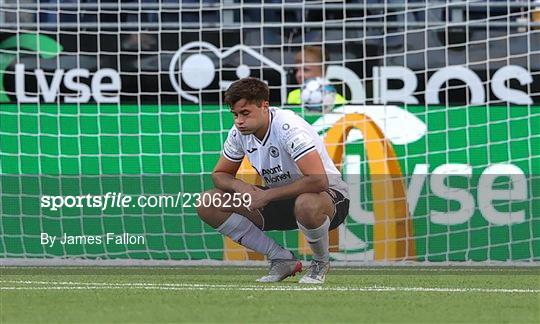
column 224, row 174
column 314, row 180
column 224, row 177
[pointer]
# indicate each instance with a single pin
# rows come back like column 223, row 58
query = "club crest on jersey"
column 285, row 126
column 274, row 152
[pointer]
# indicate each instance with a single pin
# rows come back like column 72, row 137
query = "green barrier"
column 156, row 150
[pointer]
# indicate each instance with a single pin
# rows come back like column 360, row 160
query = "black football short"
column 279, row 214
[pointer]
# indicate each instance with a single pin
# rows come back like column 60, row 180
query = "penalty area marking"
column 70, row 285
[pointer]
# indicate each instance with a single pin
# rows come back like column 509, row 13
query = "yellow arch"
column 393, row 230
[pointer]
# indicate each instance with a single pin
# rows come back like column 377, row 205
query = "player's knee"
column 207, row 211
column 307, row 210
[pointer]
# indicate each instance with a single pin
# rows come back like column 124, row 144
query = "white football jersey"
column 288, row 139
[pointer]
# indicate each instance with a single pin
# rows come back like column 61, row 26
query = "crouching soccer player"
column 303, row 187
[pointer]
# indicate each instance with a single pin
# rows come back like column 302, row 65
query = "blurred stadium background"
column 125, row 96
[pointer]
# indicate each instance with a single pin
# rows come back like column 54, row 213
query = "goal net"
column 111, row 121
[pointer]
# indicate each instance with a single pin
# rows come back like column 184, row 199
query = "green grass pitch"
column 230, row 294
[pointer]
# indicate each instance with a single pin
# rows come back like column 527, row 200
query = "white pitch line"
column 42, row 285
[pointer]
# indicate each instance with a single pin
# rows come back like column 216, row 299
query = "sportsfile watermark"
column 121, row 200
column 109, row 200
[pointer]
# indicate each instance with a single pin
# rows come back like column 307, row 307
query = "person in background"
column 310, row 62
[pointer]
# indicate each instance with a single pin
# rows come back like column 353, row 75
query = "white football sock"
column 244, row 232
column 318, row 240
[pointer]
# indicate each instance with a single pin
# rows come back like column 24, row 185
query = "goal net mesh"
column 439, row 124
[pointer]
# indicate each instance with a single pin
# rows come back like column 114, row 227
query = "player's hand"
column 244, row 187
column 259, row 199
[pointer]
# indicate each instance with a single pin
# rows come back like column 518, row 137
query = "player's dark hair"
column 251, row 89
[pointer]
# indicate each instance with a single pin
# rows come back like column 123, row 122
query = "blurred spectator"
column 536, row 14
column 310, row 62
